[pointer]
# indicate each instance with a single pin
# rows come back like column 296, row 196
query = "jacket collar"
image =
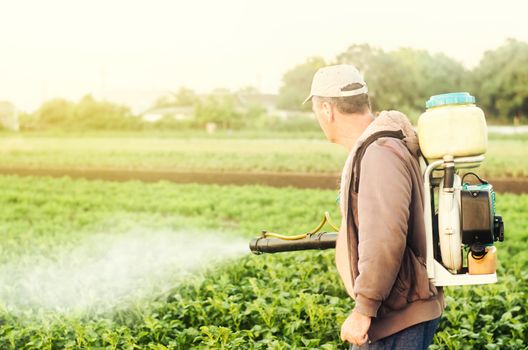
column 392, row 120
column 386, row 120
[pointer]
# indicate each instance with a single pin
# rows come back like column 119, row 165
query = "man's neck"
column 351, row 129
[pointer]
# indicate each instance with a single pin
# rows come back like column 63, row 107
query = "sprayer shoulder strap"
column 356, row 169
column 356, row 164
column 360, row 152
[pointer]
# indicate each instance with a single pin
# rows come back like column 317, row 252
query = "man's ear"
column 328, row 111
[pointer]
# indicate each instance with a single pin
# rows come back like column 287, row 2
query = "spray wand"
column 271, row 242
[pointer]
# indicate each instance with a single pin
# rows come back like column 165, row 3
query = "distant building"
column 178, row 113
column 8, row 116
column 269, row 103
column 243, row 102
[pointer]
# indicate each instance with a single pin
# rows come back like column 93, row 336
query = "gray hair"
column 347, row 104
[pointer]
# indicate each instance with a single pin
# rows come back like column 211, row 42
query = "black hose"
column 482, row 181
column 449, row 176
column 321, row 240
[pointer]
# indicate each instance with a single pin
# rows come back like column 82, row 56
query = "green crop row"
column 281, row 301
column 506, row 157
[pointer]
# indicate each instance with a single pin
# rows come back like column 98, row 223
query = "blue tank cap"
column 453, row 98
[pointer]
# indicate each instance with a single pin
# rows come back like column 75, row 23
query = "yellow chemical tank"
column 452, row 124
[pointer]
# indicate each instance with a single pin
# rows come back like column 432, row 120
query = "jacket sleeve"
column 383, row 210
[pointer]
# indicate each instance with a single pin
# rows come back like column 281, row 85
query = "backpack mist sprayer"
column 461, row 224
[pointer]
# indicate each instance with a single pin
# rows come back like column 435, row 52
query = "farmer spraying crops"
column 398, row 244
column 381, row 248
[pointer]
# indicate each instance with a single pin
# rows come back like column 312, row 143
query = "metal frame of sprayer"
column 450, row 233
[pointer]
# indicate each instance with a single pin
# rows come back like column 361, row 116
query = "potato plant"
column 280, row 301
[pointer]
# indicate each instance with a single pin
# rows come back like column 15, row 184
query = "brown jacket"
column 389, row 279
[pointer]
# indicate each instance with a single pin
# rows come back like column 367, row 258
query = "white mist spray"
column 108, row 270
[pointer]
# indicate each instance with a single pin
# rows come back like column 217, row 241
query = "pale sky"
column 132, row 51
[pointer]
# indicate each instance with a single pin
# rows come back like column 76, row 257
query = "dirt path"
column 299, row 180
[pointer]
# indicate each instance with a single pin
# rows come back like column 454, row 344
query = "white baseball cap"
column 329, row 82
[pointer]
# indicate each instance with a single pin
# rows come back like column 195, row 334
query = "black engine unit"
column 479, row 222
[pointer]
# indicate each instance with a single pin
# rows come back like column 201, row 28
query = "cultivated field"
column 505, row 158
column 93, row 264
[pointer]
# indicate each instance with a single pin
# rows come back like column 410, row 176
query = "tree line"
column 405, row 78
column 226, row 110
column 401, row 79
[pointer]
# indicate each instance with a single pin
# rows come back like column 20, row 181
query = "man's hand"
column 354, row 329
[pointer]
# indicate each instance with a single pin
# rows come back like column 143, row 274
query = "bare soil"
column 274, row 179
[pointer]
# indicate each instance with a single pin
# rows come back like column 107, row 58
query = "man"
column 381, row 249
